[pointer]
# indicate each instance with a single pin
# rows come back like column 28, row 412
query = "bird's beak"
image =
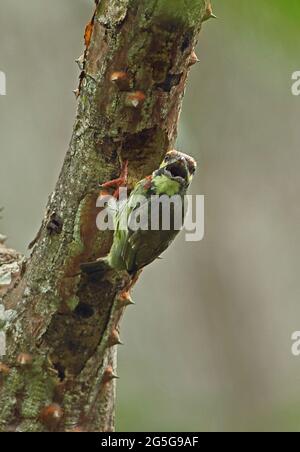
column 177, row 169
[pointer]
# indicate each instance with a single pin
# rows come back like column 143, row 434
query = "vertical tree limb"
column 62, row 328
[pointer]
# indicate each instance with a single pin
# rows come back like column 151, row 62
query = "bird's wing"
column 141, row 247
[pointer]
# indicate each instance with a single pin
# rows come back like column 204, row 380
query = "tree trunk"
column 61, row 327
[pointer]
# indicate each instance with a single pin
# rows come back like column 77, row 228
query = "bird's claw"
column 116, row 184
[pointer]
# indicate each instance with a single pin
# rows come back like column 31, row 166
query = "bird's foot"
column 116, row 184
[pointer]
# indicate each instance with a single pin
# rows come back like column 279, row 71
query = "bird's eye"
column 167, row 158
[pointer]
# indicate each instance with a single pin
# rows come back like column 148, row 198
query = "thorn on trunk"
column 125, row 300
column 76, row 92
column 4, row 369
column 193, row 59
column 3, row 239
column 109, row 375
column 118, row 75
column 121, row 80
column 51, row 415
column 114, row 339
column 135, row 99
column 80, row 62
column 24, row 359
column 209, row 14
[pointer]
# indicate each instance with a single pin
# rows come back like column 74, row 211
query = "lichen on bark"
column 62, row 319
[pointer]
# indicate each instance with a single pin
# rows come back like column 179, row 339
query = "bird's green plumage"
column 134, row 249
column 166, row 186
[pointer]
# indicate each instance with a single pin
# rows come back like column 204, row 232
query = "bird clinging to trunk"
column 134, row 248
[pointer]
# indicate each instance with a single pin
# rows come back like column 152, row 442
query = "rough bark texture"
column 61, row 327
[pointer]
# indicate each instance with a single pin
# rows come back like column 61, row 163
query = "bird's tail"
column 100, row 266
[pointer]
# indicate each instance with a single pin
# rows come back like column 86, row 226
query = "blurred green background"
column 208, row 346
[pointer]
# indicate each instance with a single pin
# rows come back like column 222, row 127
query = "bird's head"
column 178, row 166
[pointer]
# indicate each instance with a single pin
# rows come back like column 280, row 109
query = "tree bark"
column 61, row 327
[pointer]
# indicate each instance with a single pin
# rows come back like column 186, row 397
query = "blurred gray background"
column 208, row 346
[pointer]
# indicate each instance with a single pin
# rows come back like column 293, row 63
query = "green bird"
column 136, row 247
